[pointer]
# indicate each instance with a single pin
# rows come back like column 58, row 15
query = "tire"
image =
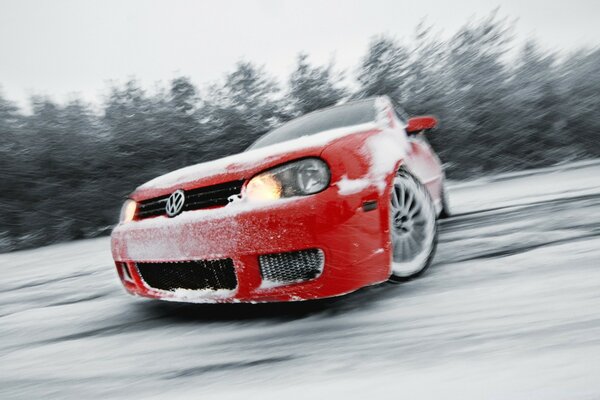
column 445, row 213
column 413, row 228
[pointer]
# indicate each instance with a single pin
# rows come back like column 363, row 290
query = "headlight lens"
column 299, row 178
column 128, row 211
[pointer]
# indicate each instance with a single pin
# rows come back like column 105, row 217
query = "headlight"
column 128, row 211
column 299, row 178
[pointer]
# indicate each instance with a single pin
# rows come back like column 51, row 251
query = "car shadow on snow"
column 286, row 311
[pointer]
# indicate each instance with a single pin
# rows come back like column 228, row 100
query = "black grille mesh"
column 294, row 266
column 195, row 199
column 193, row 275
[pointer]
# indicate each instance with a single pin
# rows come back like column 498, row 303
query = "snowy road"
column 510, row 309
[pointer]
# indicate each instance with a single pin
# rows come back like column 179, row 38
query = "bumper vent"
column 192, row 275
column 291, row 267
column 123, row 271
column 195, row 199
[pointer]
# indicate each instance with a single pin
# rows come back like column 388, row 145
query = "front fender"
column 362, row 168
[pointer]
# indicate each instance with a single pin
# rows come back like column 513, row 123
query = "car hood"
column 244, row 165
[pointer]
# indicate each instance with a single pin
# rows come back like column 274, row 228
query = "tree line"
column 66, row 168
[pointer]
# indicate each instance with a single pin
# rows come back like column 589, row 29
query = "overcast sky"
column 61, row 47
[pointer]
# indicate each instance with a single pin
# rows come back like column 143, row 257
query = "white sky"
column 62, row 47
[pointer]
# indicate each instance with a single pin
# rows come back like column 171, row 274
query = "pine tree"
column 241, row 109
column 312, row 88
column 384, row 69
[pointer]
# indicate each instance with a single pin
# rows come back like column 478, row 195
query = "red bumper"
column 354, row 242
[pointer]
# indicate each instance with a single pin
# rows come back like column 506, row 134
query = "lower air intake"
column 192, row 275
column 291, row 267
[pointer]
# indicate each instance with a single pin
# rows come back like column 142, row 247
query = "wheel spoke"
column 405, row 249
column 412, row 246
column 416, row 210
column 419, row 221
column 400, row 196
column 398, row 250
column 418, row 234
column 395, row 201
column 417, row 245
column 397, row 253
column 409, row 201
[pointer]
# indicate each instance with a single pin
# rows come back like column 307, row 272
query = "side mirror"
column 417, row 124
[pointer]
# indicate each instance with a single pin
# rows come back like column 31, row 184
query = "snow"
column 541, row 185
column 202, row 296
column 509, row 310
column 267, row 284
column 350, row 186
column 389, row 146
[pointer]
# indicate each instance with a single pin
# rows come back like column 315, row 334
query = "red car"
column 328, row 203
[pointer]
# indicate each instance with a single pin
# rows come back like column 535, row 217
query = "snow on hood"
column 253, row 158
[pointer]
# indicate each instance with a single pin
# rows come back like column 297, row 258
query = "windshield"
column 357, row 112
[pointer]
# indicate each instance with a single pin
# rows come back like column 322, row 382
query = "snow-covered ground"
column 509, row 310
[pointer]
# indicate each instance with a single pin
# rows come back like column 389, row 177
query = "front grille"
column 192, row 275
column 195, row 199
column 294, row 266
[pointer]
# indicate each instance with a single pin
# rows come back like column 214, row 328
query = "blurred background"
column 514, row 87
column 99, row 96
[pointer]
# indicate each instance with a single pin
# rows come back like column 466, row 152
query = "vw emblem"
column 175, row 203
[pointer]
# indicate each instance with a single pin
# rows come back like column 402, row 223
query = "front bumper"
column 355, row 244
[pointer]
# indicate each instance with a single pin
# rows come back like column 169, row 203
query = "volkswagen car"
column 325, row 204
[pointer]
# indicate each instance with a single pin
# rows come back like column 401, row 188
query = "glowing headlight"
column 128, row 211
column 299, row 178
column 263, row 187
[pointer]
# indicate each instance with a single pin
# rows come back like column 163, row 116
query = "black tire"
column 445, row 213
column 422, row 232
